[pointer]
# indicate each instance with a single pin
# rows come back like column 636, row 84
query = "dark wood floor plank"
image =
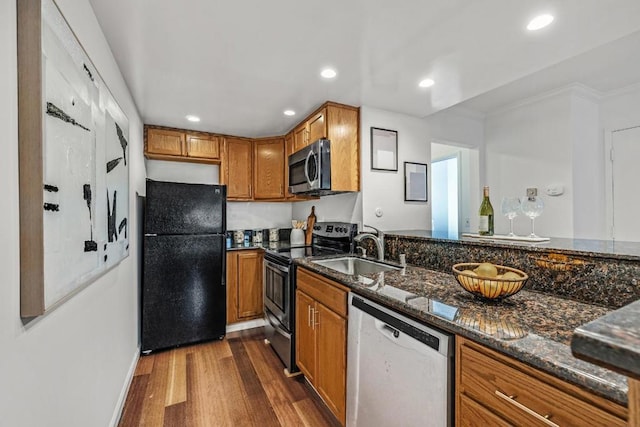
column 256, row 397
column 282, row 391
column 133, row 405
column 145, row 365
column 176, row 415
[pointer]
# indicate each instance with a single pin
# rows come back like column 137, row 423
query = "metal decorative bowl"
column 492, row 288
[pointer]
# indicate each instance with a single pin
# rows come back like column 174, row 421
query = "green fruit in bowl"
column 486, row 269
column 511, row 275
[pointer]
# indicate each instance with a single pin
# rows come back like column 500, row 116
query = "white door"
column 625, row 178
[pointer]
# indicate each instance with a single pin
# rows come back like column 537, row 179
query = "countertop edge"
column 613, row 341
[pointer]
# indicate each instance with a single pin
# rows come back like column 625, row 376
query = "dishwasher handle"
column 426, row 335
column 387, row 330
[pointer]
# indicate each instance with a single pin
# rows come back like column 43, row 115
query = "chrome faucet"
column 379, row 240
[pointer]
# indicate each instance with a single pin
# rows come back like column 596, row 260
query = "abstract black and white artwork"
column 85, row 168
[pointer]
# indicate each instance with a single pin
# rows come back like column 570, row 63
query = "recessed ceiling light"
column 289, row 113
column 539, row 22
column 192, row 118
column 426, row 83
column 328, row 73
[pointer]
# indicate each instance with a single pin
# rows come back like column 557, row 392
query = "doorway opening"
column 444, row 211
column 454, row 183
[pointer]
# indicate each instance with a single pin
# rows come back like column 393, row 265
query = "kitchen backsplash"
column 608, row 281
column 248, row 215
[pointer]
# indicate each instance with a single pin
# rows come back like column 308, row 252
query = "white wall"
column 621, row 110
column 531, row 146
column 385, row 190
column 251, row 215
column 345, row 207
column 588, row 181
column 69, row 367
column 191, row 173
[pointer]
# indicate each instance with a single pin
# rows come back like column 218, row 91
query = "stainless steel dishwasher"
column 399, row 371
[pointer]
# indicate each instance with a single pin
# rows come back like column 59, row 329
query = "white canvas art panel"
column 85, row 166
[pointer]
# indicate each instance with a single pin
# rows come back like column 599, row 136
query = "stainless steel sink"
column 354, row 265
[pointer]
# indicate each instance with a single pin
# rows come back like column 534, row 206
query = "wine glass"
column 510, row 208
column 532, row 207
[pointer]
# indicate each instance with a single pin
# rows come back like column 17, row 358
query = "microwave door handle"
column 306, row 166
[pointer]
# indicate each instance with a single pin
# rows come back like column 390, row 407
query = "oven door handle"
column 274, row 266
column 276, row 325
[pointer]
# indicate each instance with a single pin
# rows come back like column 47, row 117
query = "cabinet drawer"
column 329, row 293
column 513, row 391
column 471, row 413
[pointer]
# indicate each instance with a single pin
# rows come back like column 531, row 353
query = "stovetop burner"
column 329, row 238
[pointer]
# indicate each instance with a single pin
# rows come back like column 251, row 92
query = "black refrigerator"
column 183, row 280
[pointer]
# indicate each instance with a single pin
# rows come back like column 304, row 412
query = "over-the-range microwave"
column 310, row 169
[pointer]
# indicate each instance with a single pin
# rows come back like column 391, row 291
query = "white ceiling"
column 239, row 64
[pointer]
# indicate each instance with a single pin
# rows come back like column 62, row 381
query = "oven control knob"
column 316, row 227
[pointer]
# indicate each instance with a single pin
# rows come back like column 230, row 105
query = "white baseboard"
column 115, row 419
column 256, row 323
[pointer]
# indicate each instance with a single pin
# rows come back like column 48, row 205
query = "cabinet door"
column 203, row 147
column 232, row 287
column 238, row 169
column 268, row 169
column 331, row 353
column 300, row 137
column 165, row 142
column 317, row 126
column 305, row 335
column 250, row 302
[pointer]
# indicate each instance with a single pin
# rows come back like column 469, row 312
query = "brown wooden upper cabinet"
column 268, row 168
column 237, row 173
column 311, row 130
column 204, row 147
column 175, row 144
column 165, row 142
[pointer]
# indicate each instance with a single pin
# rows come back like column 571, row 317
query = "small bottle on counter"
column 486, row 215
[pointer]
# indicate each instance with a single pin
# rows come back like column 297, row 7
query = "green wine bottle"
column 486, row 215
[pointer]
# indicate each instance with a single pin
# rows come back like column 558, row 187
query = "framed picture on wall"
column 415, row 182
column 384, row 149
column 74, row 163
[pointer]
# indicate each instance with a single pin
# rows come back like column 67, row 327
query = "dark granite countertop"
column 584, row 247
column 532, row 327
column 612, row 341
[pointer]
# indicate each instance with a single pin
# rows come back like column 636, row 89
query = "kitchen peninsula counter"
column 580, row 247
column 532, row 327
column 595, row 272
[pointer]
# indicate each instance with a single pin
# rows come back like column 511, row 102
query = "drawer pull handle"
column 513, row 401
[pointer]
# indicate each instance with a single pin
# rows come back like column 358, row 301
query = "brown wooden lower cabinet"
column 500, row 390
column 244, row 285
column 321, row 338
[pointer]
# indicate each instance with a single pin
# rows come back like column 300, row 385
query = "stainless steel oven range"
column 280, row 280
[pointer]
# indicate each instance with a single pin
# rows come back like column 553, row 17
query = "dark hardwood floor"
column 238, row 381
